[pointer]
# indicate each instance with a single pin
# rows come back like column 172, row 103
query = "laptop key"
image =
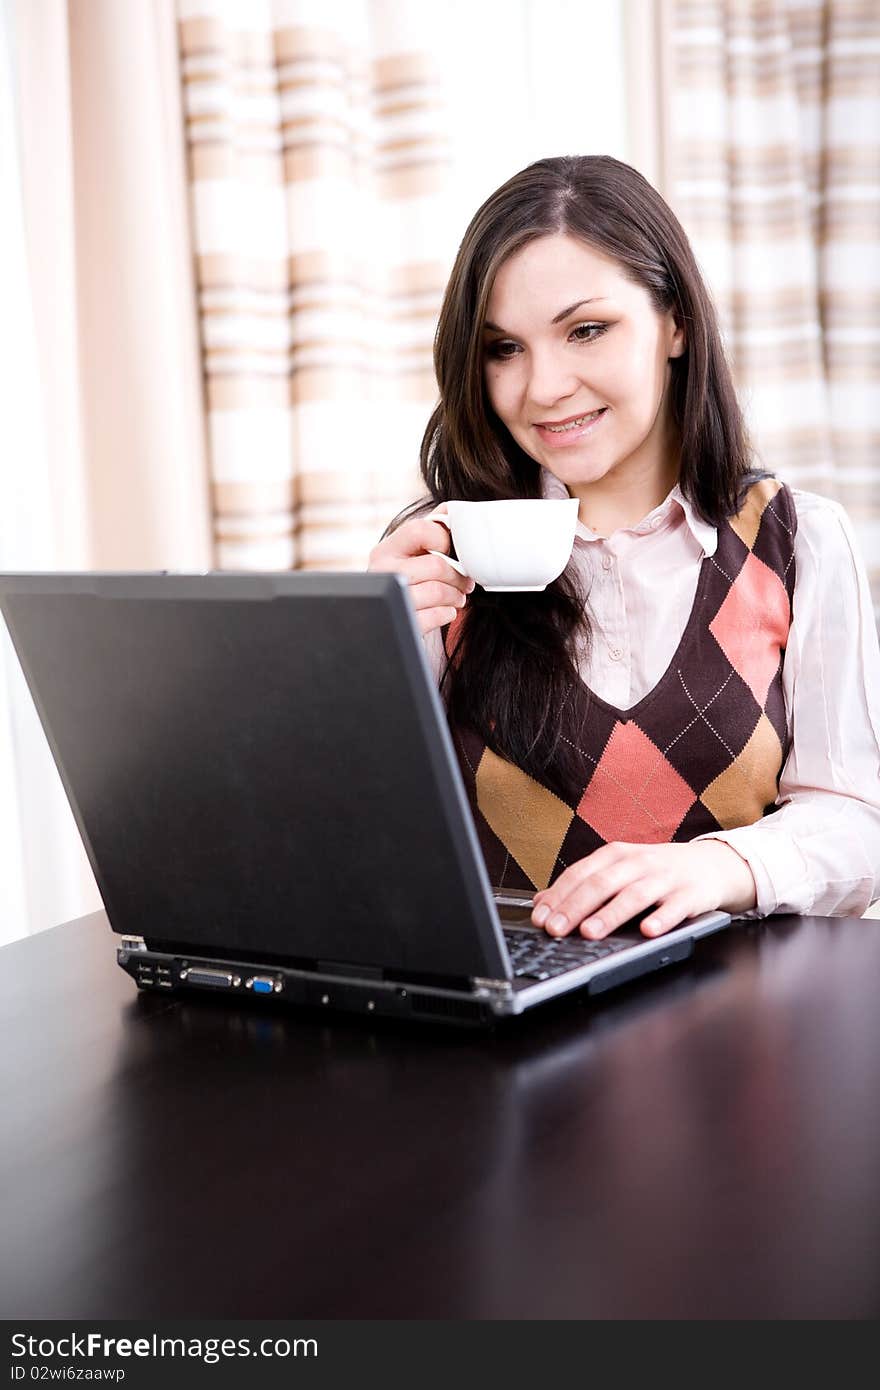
column 534, row 956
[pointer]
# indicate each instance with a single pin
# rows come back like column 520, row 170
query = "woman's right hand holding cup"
column 437, row 590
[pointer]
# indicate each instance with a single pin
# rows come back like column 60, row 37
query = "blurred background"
column 225, row 229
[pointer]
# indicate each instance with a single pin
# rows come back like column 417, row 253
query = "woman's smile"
column 564, row 435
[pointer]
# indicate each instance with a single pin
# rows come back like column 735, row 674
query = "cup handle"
column 449, row 560
column 435, row 516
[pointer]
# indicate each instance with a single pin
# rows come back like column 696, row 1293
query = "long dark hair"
column 513, row 664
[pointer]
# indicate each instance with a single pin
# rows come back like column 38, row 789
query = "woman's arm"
column 819, row 851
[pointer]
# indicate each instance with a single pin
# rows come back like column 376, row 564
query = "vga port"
column 262, row 984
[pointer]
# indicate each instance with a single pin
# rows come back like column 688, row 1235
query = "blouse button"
column 607, row 563
column 615, row 653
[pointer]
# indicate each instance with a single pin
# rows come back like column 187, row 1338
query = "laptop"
column 260, row 768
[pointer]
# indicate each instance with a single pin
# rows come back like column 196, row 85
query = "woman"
column 688, row 718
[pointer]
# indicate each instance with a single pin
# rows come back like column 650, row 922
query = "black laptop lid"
column 259, row 764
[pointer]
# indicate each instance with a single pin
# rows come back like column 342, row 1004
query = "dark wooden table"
column 702, row 1143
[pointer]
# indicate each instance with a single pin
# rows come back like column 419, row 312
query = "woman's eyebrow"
column 563, row 314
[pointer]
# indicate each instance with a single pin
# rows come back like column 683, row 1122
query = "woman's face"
column 552, row 358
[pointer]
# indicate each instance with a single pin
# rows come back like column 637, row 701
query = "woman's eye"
column 503, row 348
column 591, row 329
column 497, row 349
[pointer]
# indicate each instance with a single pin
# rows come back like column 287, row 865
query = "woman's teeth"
column 574, row 424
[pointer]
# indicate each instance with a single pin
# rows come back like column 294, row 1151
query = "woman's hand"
column 614, row 883
column 436, row 589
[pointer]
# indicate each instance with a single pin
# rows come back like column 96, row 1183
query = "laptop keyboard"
column 535, row 956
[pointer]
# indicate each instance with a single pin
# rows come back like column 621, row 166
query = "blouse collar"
column 704, row 532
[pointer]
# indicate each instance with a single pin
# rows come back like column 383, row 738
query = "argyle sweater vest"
column 702, row 751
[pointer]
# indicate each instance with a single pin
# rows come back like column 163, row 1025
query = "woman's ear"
column 678, row 342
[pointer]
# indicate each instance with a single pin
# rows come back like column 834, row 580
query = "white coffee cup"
column 515, row 544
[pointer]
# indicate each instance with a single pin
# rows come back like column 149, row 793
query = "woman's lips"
column 560, row 439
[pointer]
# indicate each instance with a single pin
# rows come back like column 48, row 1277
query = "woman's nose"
column 551, row 380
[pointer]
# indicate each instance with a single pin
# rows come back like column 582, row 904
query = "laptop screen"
column 259, row 763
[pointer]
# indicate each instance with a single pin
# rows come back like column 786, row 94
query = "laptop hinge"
column 501, row 989
column 341, row 967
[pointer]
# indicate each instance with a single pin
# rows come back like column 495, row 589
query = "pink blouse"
column 819, row 851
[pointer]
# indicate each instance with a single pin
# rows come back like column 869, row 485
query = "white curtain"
column 102, row 464
column 43, row 871
column 775, row 150
column 335, row 157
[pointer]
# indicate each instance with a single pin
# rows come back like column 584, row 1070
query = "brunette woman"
column 688, row 718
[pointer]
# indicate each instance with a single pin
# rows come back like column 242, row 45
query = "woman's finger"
column 560, row 911
column 433, row 595
column 676, row 908
column 576, row 874
column 420, row 569
column 429, row 618
column 412, row 538
column 625, row 905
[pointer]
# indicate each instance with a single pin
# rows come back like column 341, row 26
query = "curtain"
column 43, row 870
column 317, row 160
column 103, row 464
column 774, row 145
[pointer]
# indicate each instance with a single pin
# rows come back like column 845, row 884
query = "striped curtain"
column 775, row 172
column 317, row 161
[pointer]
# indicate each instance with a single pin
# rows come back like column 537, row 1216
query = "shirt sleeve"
column 819, row 851
column 432, row 646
